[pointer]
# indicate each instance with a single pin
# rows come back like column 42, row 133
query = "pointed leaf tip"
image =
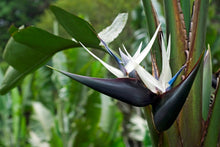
column 77, row 27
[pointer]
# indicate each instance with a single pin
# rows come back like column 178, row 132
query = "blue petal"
column 175, row 76
column 122, row 68
column 168, row 108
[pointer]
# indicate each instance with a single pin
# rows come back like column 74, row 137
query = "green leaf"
column 212, row 137
column 27, row 50
column 154, row 134
column 112, row 31
column 42, row 40
column 207, row 84
column 78, row 28
column 12, row 29
column 11, row 79
column 16, row 114
column 5, row 115
column 186, row 13
column 198, row 30
column 152, row 21
column 176, row 28
column 192, row 112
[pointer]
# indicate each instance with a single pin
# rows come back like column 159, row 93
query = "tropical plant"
column 18, row 13
column 163, row 97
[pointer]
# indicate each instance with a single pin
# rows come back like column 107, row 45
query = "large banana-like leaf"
column 185, row 4
column 29, row 48
column 78, row 28
column 152, row 22
column 192, row 111
column 176, row 27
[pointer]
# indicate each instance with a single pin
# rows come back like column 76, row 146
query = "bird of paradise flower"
column 136, row 86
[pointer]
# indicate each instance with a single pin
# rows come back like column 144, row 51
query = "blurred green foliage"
column 19, row 13
column 49, row 109
column 213, row 32
column 100, row 13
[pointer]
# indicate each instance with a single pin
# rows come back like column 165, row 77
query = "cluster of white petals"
column 132, row 63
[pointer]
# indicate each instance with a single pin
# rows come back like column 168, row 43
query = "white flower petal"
column 169, row 47
column 146, row 50
column 126, row 51
column 166, row 74
column 124, row 57
column 112, row 69
column 137, row 53
column 131, row 62
column 144, row 53
column 150, row 82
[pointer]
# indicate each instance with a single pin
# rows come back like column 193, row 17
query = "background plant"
column 70, row 108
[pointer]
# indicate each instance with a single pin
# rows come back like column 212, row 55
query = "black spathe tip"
column 167, row 109
column 128, row 90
